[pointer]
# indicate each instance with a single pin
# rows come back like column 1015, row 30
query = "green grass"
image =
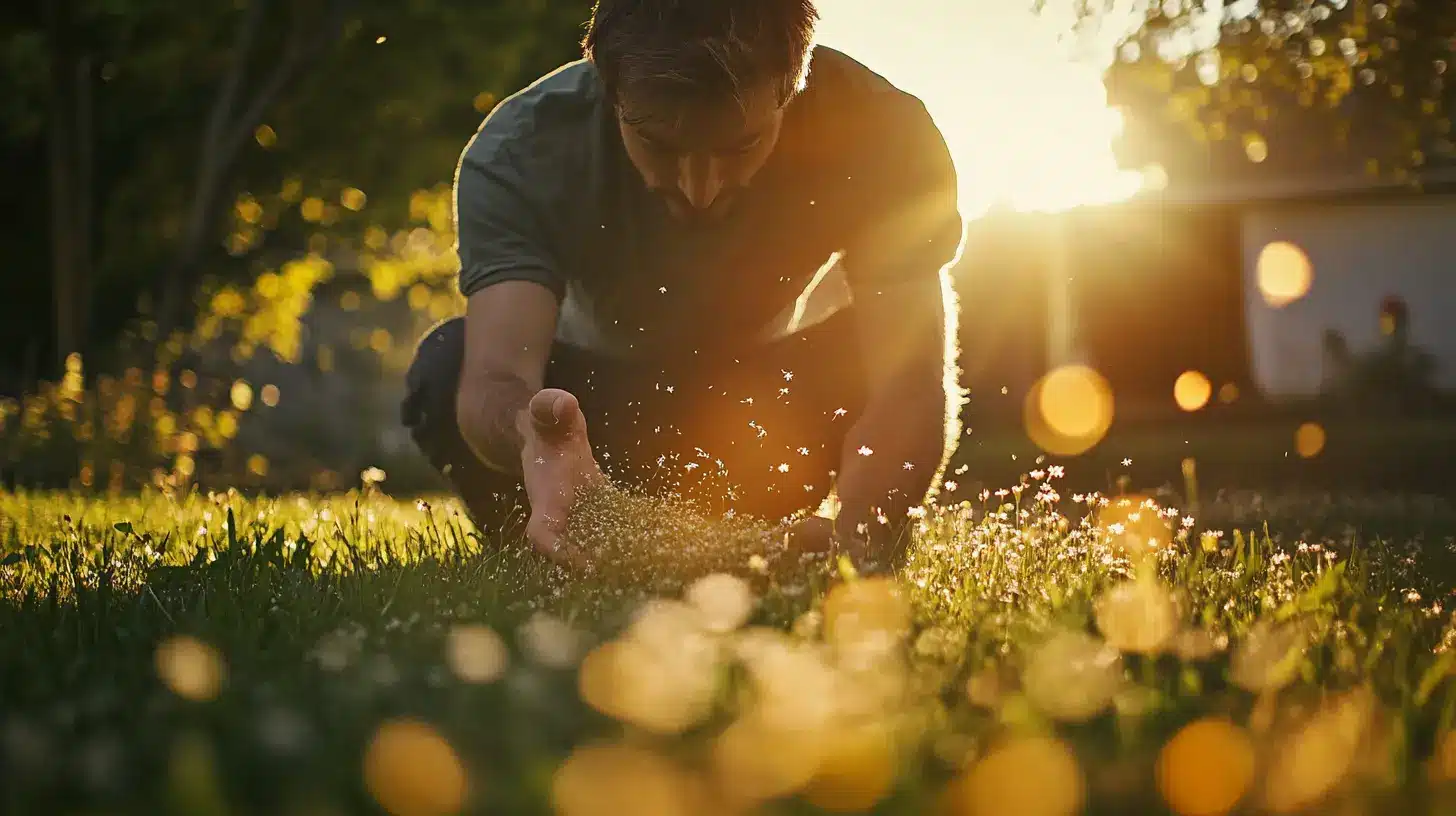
column 214, row 655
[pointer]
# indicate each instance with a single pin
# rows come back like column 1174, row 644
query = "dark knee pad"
column 431, row 383
column 428, row 412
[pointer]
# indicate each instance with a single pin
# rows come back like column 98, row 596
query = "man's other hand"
column 556, row 465
column 817, row 534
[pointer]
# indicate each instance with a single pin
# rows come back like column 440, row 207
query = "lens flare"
column 1069, row 411
column 1284, row 273
column 1192, row 390
column 1015, row 87
column 1309, row 440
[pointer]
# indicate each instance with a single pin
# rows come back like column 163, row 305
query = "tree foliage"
column 1304, row 88
column 140, row 123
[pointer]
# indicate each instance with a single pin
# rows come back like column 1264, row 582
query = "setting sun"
column 1021, row 102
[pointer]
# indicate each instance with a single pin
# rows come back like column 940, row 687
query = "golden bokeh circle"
column 411, row 770
column 1206, row 768
column 1284, row 273
column 1027, row 776
column 1309, row 440
column 1068, row 411
column 1192, row 390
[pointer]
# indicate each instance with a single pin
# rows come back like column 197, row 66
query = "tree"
column 1294, row 88
column 158, row 118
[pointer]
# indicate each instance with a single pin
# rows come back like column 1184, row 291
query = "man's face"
column 698, row 159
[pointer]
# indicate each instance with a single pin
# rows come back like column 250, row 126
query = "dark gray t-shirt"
column 859, row 195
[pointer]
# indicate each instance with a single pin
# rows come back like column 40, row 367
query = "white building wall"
column 1360, row 253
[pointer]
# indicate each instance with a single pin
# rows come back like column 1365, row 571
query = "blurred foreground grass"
column 1040, row 654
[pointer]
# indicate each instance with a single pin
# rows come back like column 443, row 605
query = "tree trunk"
column 67, row 255
column 85, row 200
column 229, row 126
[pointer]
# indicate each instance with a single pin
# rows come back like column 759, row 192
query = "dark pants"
column 758, row 432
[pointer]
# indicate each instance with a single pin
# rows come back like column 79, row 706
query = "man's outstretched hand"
column 556, row 465
column 816, row 534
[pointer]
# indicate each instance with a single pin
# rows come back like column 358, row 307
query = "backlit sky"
column 1020, row 101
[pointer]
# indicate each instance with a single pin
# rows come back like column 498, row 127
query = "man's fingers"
column 547, row 536
column 553, row 411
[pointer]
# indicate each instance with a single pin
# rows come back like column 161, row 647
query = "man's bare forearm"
column 489, row 408
column 890, row 459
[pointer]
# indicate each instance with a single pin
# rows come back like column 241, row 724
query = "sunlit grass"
column 1039, row 653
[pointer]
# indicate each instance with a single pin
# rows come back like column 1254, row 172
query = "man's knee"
column 431, row 385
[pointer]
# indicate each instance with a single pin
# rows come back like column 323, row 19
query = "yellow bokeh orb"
column 190, row 668
column 759, row 759
column 856, row 772
column 1135, row 526
column 476, row 654
column 1284, row 273
column 258, row 465
column 1309, row 440
column 609, row 779
column 1316, row 758
column 1027, row 776
column 1192, row 390
column 411, row 770
column 1073, row 676
column 866, row 613
column 1206, row 768
column 723, row 602
column 1256, row 148
column 661, row 691
column 1137, row 616
column 1068, row 411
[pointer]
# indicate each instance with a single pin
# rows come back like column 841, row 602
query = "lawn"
column 1039, row 654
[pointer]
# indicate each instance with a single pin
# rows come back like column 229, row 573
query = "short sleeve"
column 500, row 233
column 910, row 224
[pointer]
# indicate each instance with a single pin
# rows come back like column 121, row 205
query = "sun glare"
column 1018, row 95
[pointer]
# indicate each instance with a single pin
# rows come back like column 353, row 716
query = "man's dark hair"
column 674, row 52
